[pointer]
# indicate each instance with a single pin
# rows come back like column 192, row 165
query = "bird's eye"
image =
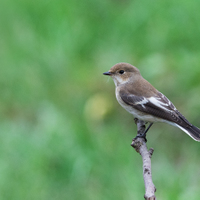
column 121, row 71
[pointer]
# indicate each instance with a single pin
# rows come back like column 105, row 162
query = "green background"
column 63, row 135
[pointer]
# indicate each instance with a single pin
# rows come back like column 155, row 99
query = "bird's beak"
column 107, row 73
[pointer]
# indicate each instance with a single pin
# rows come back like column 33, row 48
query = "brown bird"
column 144, row 102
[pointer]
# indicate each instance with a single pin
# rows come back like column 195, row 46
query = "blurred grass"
column 63, row 135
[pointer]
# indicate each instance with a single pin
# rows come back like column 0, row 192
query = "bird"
column 136, row 95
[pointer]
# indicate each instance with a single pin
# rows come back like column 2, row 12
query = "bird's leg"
column 143, row 135
column 145, row 132
column 148, row 128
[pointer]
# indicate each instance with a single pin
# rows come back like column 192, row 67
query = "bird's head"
column 123, row 73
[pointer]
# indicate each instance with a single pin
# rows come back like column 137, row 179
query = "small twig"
column 139, row 145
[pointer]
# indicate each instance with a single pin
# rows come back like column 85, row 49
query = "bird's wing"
column 158, row 106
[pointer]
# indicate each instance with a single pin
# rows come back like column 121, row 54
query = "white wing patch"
column 159, row 103
column 138, row 100
column 144, row 101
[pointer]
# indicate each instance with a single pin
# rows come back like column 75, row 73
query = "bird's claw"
column 141, row 136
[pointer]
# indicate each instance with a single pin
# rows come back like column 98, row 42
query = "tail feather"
column 192, row 131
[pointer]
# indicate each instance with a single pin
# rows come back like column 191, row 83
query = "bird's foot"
column 141, row 136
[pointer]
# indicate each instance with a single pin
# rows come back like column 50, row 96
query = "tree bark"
column 139, row 144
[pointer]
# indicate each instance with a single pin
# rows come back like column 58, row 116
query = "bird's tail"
column 192, row 131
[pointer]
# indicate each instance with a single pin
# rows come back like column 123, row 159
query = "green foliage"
column 63, row 135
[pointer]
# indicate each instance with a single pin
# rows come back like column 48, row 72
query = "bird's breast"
column 127, row 107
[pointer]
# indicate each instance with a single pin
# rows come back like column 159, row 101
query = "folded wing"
column 158, row 106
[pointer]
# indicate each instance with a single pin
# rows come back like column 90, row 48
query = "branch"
column 140, row 146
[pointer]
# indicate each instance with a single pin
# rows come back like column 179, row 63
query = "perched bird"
column 144, row 102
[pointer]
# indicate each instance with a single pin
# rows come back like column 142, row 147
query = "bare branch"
column 139, row 145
